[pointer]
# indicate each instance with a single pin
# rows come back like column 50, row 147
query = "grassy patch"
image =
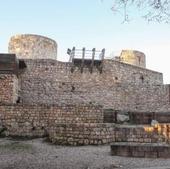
column 16, row 146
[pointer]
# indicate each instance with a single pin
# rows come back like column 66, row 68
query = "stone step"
column 144, row 150
column 113, row 116
column 147, row 117
column 141, row 133
column 158, row 167
column 109, row 116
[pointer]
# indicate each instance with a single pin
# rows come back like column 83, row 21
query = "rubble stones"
column 122, row 117
column 154, row 123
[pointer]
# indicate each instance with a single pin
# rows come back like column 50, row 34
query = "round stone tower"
column 133, row 57
column 28, row 46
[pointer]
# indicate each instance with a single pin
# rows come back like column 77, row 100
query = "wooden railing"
column 83, row 55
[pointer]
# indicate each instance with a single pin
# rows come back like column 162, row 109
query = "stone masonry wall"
column 104, row 133
column 120, row 86
column 82, row 134
column 34, row 121
column 8, row 88
column 75, row 125
column 147, row 117
column 161, row 129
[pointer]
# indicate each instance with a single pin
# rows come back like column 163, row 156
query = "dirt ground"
column 39, row 154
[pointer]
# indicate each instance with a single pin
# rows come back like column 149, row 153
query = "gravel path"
column 38, row 154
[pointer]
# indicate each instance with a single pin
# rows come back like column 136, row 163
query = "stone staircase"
column 147, row 150
column 128, row 133
column 141, row 139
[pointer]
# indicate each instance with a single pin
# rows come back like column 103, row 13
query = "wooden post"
column 102, row 59
column 72, row 56
column 92, row 62
column 69, row 53
column 82, row 61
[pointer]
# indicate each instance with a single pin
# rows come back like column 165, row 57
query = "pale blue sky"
column 85, row 23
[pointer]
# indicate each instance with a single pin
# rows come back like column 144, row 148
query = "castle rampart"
column 52, row 82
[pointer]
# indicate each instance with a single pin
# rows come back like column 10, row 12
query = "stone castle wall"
column 104, row 133
column 120, row 86
column 75, row 125
column 8, row 88
column 34, row 121
column 33, row 47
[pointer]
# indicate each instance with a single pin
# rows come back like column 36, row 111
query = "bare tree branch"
column 154, row 10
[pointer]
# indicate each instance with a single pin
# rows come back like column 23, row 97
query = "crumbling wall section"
column 8, row 88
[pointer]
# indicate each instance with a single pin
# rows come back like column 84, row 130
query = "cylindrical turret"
column 29, row 46
column 133, row 57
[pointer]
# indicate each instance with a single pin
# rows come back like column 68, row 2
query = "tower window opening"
column 142, row 78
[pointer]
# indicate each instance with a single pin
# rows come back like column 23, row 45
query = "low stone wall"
column 34, row 121
column 82, row 134
column 163, row 130
column 75, row 125
column 104, row 133
column 138, row 134
column 147, row 117
column 135, row 118
column 158, row 133
column 145, row 150
column 8, row 88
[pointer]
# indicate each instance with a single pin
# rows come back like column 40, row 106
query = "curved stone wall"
column 29, row 46
column 133, row 57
